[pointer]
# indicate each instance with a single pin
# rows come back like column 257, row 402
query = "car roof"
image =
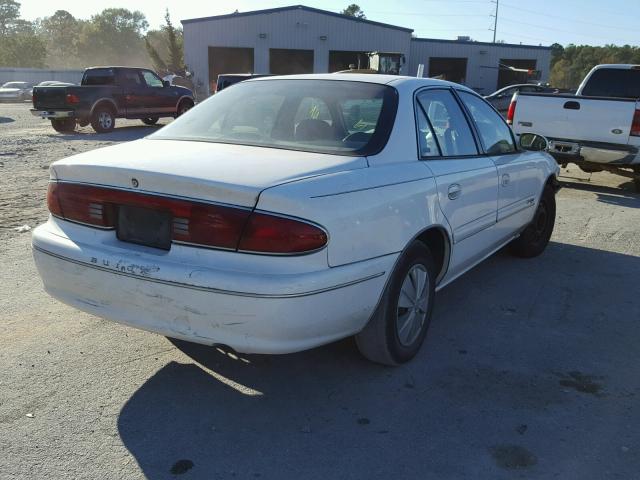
column 620, row 66
column 394, row 80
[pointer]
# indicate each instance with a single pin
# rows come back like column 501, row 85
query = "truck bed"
column 593, row 129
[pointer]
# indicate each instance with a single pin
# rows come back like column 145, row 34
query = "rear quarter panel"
column 50, row 98
column 368, row 213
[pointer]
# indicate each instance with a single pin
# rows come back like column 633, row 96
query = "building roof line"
column 471, row 42
column 295, row 7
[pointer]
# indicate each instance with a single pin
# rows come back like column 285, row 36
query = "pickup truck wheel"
column 399, row 325
column 63, row 125
column 535, row 237
column 103, row 120
column 183, row 107
column 150, row 120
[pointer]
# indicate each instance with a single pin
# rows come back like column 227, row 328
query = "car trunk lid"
column 213, row 172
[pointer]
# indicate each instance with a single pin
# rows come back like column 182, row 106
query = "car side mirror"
column 166, row 83
column 533, row 142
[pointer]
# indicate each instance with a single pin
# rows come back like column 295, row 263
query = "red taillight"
column 72, row 98
column 81, row 203
column 271, row 234
column 33, row 99
column 511, row 112
column 635, row 125
column 52, row 200
column 196, row 223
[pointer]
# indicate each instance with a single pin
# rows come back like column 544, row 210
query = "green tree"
column 9, row 13
column 569, row 65
column 115, row 37
column 20, row 46
column 167, row 43
column 556, row 53
column 61, row 32
column 354, row 10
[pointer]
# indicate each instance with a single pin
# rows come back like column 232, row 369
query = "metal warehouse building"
column 301, row 39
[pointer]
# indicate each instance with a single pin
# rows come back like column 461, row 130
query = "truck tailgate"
column 569, row 117
column 45, row 98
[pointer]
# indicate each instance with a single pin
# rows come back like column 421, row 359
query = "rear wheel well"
column 438, row 242
column 104, row 103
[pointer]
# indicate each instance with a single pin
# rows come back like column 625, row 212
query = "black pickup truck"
column 107, row 93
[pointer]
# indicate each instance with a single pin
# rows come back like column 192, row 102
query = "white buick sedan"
column 288, row 212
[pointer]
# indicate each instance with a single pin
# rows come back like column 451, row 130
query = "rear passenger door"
column 467, row 181
column 134, row 91
column 519, row 177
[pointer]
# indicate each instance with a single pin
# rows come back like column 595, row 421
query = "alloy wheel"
column 412, row 305
column 105, row 120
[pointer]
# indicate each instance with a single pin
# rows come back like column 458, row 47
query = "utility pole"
column 495, row 21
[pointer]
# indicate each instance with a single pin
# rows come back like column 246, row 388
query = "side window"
column 151, row 79
column 131, row 78
column 361, row 114
column 450, row 126
column 494, row 133
column 426, row 138
column 253, row 119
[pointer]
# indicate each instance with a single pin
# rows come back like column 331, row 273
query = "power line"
column 422, row 14
column 566, row 18
column 563, row 30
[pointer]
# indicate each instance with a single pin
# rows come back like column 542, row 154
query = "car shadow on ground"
column 623, row 195
column 118, row 134
column 6, row 120
column 509, row 382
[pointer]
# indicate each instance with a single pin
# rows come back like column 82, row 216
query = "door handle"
column 572, row 105
column 454, row 191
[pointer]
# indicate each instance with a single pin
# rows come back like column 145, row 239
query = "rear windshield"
column 613, row 82
column 99, row 76
column 327, row 116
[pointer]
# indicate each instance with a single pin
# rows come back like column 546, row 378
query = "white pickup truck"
column 598, row 128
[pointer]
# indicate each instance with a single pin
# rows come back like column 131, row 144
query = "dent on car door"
column 466, row 181
column 518, row 173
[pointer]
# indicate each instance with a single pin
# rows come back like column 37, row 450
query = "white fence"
column 37, row 75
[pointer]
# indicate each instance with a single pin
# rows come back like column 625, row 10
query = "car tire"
column 103, row 120
column 63, row 125
column 150, row 120
column 183, row 107
column 535, row 237
column 399, row 325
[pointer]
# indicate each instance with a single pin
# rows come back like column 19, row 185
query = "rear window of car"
column 613, row 82
column 99, row 76
column 326, row 116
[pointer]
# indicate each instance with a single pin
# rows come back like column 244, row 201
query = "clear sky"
column 591, row 22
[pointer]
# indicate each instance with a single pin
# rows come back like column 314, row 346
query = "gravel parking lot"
column 531, row 368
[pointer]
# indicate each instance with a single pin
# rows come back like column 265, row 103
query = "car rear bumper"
column 52, row 113
column 594, row 152
column 251, row 312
